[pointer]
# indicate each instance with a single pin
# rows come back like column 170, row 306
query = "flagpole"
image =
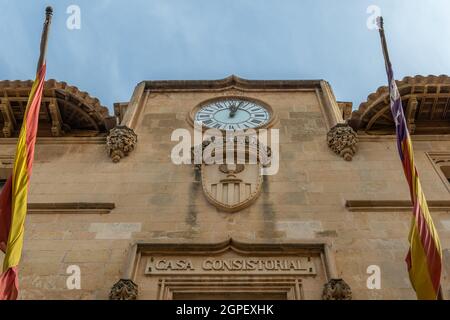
column 384, row 46
column 389, row 72
column 14, row 208
column 44, row 37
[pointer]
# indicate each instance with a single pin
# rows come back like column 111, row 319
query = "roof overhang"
column 426, row 103
column 65, row 110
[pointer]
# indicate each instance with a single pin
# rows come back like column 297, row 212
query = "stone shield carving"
column 231, row 187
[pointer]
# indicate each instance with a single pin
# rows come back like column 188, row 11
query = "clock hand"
column 234, row 108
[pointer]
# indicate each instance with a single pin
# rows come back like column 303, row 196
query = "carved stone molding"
column 342, row 139
column 120, row 141
column 234, row 94
column 124, row 289
column 164, row 282
column 336, row 289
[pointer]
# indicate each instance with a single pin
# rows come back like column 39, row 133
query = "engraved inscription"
column 253, row 265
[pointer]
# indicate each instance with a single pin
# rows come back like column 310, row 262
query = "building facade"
column 109, row 206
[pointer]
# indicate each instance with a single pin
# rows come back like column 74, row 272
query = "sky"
column 121, row 43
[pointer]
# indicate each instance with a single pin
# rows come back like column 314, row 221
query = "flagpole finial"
column 44, row 37
column 380, row 22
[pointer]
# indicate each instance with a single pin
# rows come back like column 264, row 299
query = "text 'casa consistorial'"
column 257, row 265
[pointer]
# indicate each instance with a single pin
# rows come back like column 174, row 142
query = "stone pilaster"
column 120, row 141
column 342, row 139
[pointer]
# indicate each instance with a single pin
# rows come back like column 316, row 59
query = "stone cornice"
column 70, row 208
column 383, row 138
column 231, row 82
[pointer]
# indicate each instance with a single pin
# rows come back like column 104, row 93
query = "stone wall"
column 157, row 201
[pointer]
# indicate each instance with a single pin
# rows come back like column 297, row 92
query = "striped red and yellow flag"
column 424, row 259
column 13, row 199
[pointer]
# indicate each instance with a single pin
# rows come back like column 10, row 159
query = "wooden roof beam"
column 376, row 116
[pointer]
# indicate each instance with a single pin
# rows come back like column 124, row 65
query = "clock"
column 233, row 114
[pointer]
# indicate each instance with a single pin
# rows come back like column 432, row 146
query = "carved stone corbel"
column 336, row 289
column 124, row 289
column 55, row 115
column 411, row 109
column 9, row 119
column 342, row 139
column 120, row 141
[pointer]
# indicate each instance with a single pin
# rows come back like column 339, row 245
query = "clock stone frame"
column 267, row 125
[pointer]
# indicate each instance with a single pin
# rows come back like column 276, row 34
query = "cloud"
column 122, row 43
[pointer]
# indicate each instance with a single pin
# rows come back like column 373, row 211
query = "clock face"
column 233, row 114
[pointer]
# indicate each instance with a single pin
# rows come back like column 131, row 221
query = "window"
column 441, row 163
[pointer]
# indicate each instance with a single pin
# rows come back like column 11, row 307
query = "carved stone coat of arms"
column 234, row 186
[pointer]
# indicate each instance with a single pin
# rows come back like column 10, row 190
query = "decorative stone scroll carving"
column 342, row 139
column 120, row 141
column 336, row 289
column 124, row 289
